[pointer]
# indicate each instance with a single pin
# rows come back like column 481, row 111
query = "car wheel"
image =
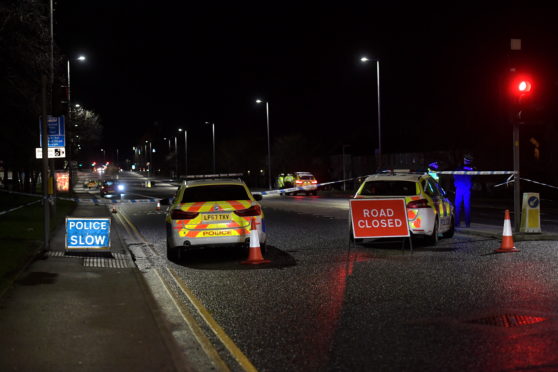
column 451, row 231
column 172, row 253
column 433, row 239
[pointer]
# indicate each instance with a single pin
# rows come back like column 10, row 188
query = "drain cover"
column 509, row 320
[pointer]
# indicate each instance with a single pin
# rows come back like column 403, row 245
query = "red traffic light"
column 522, row 85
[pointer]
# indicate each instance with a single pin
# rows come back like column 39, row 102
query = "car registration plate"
column 216, row 217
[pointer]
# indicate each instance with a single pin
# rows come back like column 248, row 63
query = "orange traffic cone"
column 507, row 238
column 158, row 208
column 255, row 253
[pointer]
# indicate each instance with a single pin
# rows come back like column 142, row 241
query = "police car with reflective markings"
column 212, row 212
column 429, row 212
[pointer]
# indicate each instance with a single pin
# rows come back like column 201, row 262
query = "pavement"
column 94, row 312
column 84, row 312
column 492, row 231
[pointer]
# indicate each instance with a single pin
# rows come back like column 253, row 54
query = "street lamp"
column 176, row 155
column 213, row 131
column 103, row 151
column 185, row 150
column 364, row 60
column 268, row 143
column 344, row 176
column 81, row 58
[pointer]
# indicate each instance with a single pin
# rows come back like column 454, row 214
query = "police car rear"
column 212, row 212
column 429, row 212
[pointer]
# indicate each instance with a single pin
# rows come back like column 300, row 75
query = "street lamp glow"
column 364, row 59
column 77, row 105
column 81, row 58
column 259, row 101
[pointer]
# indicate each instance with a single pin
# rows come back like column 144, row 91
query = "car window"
column 430, row 188
column 214, row 193
column 389, row 188
column 306, row 177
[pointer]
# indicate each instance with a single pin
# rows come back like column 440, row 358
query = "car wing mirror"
column 165, row 201
column 257, row 197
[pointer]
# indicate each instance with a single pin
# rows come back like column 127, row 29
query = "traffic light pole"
column 516, row 183
column 44, row 161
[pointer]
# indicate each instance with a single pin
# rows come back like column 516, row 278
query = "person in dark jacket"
column 463, row 184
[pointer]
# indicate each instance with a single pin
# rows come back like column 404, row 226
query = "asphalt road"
column 322, row 304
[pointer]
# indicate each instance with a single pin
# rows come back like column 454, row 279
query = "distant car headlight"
column 120, row 187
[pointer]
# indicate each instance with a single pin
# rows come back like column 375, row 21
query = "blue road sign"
column 87, row 233
column 55, row 130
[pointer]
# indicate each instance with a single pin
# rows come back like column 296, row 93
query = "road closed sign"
column 379, row 218
column 87, row 233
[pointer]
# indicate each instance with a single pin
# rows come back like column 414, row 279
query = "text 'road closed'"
column 87, row 233
column 379, row 218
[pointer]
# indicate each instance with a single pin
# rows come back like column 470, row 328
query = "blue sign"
column 55, row 130
column 87, row 233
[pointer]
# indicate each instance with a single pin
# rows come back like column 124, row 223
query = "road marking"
column 202, row 339
column 206, row 345
column 237, row 354
column 137, row 233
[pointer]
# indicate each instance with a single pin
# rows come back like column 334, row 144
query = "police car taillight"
column 298, row 182
column 254, row 210
column 314, row 182
column 421, row 203
column 178, row 214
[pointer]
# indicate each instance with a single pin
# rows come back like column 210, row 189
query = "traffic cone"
column 255, row 253
column 114, row 209
column 158, row 208
column 507, row 238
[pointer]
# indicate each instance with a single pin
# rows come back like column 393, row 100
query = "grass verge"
column 21, row 232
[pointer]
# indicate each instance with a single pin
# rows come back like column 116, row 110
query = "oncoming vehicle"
column 212, row 212
column 90, row 184
column 306, row 180
column 429, row 212
column 112, row 188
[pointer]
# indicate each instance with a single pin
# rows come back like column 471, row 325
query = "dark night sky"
column 441, row 69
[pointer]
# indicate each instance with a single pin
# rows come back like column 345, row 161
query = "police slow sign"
column 379, row 218
column 87, row 233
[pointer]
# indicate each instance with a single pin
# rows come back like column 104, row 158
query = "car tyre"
column 451, row 231
column 433, row 239
column 172, row 253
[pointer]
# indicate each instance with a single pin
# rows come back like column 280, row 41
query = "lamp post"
column 213, row 131
column 364, row 60
column 185, row 150
column 268, row 142
column 176, row 154
column 103, row 151
column 81, row 58
column 344, row 176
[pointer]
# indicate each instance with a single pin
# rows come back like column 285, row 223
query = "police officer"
column 281, row 181
column 463, row 185
column 289, row 180
column 433, row 169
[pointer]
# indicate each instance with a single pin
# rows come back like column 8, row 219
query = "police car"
column 212, row 212
column 429, row 212
column 306, row 180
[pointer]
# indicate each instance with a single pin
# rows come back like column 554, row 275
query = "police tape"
column 510, row 180
column 302, row 188
column 476, row 173
column 20, row 206
column 93, row 200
